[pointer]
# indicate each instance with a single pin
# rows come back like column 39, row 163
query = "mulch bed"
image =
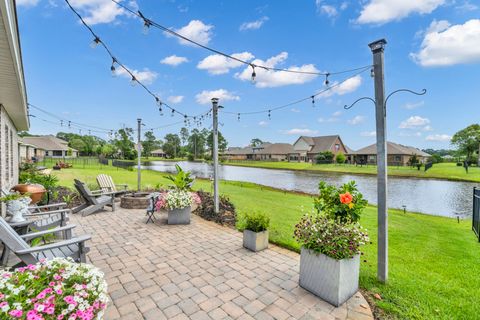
column 226, row 215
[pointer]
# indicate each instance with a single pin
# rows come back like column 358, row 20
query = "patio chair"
column 74, row 248
column 94, row 200
column 107, row 185
column 152, row 201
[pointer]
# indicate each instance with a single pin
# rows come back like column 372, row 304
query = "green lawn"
column 434, row 261
column 448, row 171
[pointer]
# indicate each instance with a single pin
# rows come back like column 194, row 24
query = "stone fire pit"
column 137, row 200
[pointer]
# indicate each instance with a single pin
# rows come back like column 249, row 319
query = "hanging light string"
column 151, row 23
column 116, row 63
column 66, row 122
column 283, row 106
column 70, row 126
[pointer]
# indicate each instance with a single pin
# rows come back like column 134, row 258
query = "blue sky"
column 432, row 44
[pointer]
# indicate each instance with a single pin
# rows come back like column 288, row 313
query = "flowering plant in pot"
column 331, row 239
column 54, row 289
column 255, row 230
column 178, row 203
column 17, row 205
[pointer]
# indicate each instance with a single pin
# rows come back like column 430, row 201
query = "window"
column 57, row 153
column 337, row 147
column 398, row 158
column 372, row 158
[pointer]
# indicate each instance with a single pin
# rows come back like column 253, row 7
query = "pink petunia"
column 16, row 313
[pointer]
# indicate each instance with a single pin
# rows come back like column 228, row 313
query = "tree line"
column 192, row 144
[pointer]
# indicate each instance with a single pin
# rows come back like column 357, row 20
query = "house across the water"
column 306, row 149
column 53, row 146
column 397, row 154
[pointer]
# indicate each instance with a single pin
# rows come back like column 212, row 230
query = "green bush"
column 190, row 157
column 324, row 157
column 254, row 221
column 340, row 158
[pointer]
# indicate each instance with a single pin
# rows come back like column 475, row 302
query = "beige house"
column 264, row 152
column 158, row 153
column 29, row 152
column 397, row 154
column 53, row 146
column 305, row 149
column 13, row 97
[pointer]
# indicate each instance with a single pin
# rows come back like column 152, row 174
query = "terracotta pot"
column 36, row 191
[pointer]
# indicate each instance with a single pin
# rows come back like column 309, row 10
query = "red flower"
column 346, row 197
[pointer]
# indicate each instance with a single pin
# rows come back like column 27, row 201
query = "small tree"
column 340, row 158
column 413, row 161
column 325, row 157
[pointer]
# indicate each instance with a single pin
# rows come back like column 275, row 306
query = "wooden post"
column 215, row 154
column 377, row 48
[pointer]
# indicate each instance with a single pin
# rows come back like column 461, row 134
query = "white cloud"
column 263, row 123
column 344, row 5
column 383, row 11
column 301, row 132
column 467, row 6
column 218, row 64
column 270, row 79
column 205, row 97
column 438, row 137
column 195, row 30
column 356, row 120
column 331, row 119
column 445, row 45
column 368, row 134
column 175, row 99
column 427, row 128
column 173, row 60
column 253, row 25
column 411, row 106
column 348, row 86
column 99, row 11
column 27, row 3
column 337, row 113
column 329, row 10
column 146, row 76
column 414, row 122
column 295, row 110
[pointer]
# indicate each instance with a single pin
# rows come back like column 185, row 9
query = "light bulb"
column 133, row 82
column 146, row 27
column 95, row 42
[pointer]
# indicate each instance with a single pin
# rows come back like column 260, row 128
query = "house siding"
column 8, row 151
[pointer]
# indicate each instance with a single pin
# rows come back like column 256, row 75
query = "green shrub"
column 340, row 158
column 254, row 221
column 324, row 157
column 190, row 157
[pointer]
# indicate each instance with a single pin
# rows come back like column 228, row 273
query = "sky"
column 431, row 44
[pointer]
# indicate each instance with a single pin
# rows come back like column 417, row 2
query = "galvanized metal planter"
column 255, row 241
column 335, row 281
column 179, row 216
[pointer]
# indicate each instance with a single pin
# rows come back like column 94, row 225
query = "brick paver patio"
column 199, row 271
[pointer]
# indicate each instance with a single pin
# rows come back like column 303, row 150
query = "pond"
column 435, row 197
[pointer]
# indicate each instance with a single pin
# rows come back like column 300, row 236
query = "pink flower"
column 50, row 310
column 41, row 295
column 51, row 284
column 31, row 267
column 196, row 198
column 59, row 291
column 60, row 317
column 2, row 295
column 57, row 277
column 70, row 300
column 16, row 313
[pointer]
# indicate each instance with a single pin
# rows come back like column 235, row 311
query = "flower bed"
column 53, row 290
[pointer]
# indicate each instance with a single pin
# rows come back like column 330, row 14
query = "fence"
column 123, row 164
column 80, row 162
column 476, row 212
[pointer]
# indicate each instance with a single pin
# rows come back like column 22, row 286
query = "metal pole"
column 215, row 154
column 139, row 154
column 377, row 48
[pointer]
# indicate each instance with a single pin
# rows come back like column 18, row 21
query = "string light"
column 173, row 112
column 269, row 115
column 112, row 68
column 254, row 75
column 69, row 124
column 61, row 123
column 116, row 63
column 174, row 33
column 238, row 116
column 96, row 41
column 326, row 79
column 313, row 101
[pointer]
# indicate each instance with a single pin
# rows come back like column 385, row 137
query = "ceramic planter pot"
column 17, row 208
column 255, row 241
column 179, row 216
column 335, row 281
column 36, row 191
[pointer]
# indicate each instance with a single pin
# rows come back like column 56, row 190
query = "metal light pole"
column 377, row 48
column 139, row 154
column 380, row 102
column 215, row 154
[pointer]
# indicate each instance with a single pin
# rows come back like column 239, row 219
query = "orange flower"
column 346, row 197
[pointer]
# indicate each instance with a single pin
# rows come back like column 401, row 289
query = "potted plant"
column 52, row 290
column 178, row 204
column 17, row 205
column 255, row 230
column 331, row 239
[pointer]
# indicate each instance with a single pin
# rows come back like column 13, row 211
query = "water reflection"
column 437, row 197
